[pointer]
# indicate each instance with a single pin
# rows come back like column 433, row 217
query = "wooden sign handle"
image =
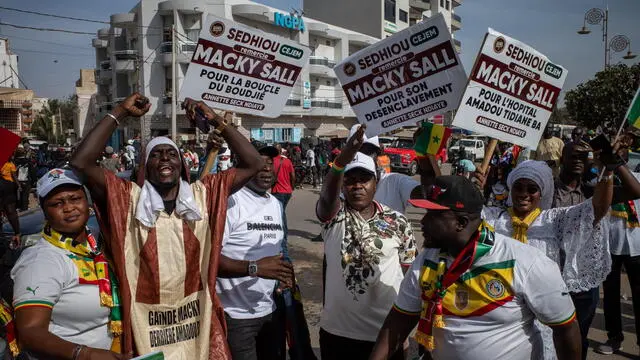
column 488, row 153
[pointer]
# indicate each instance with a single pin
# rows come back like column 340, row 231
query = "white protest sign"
column 511, row 93
column 402, row 79
column 242, row 69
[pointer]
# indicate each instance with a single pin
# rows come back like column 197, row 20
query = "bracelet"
column 114, row 118
column 337, row 168
column 77, row 351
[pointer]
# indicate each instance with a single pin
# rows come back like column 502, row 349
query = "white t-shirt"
column 394, row 190
column 364, row 270
column 46, row 276
column 624, row 240
column 311, row 158
column 254, row 230
column 490, row 312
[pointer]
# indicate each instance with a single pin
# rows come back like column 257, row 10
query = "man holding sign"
column 165, row 236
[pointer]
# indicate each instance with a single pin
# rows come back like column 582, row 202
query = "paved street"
column 307, row 255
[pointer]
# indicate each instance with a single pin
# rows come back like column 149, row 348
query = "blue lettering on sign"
column 288, row 21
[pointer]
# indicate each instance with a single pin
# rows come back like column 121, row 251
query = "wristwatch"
column 253, row 268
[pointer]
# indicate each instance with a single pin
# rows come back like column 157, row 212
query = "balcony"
column 326, row 104
column 99, row 43
column 253, row 11
column 458, row 45
column 183, row 55
column 456, row 22
column 182, row 6
column 126, row 60
column 420, row 4
column 361, row 40
column 103, row 33
column 321, row 60
column 294, row 102
column 323, row 30
column 105, row 65
column 166, row 103
column 103, row 76
column 457, row 3
column 123, row 19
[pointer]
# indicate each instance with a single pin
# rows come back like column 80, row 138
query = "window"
column 441, row 3
column 390, row 10
column 328, row 42
column 448, row 5
column 403, row 16
column 328, row 82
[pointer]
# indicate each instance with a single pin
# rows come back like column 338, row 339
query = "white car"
column 474, row 148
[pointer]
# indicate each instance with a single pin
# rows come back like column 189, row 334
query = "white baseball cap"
column 373, row 140
column 362, row 161
column 54, row 178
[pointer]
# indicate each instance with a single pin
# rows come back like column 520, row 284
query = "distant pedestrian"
column 24, row 172
column 111, row 162
column 9, row 188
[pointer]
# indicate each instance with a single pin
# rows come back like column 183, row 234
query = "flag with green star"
column 633, row 113
column 432, row 139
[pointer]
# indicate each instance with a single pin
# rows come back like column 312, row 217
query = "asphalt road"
column 307, row 256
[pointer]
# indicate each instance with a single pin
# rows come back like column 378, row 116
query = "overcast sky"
column 49, row 62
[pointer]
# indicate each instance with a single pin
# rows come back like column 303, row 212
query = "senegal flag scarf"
column 627, row 211
column 93, row 269
column 6, row 320
column 431, row 315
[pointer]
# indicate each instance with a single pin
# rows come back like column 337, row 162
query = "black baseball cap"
column 451, row 192
column 269, row 151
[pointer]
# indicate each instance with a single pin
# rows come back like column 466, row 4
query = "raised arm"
column 332, row 185
column 249, row 161
column 630, row 187
column 87, row 153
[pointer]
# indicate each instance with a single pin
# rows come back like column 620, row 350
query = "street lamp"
column 618, row 43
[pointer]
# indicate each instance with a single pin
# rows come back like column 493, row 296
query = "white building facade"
column 8, row 66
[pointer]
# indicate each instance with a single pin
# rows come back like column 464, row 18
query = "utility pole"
column 174, row 98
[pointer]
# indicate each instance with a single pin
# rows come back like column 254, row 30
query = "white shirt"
column 45, row 275
column 622, row 239
column 525, row 285
column 567, row 236
column 364, row 270
column 253, row 230
column 394, row 190
column 311, row 158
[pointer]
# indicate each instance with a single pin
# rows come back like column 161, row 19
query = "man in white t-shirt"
column 250, row 266
column 473, row 293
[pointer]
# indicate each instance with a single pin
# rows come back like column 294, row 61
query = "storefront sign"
column 404, row 78
column 511, row 92
column 242, row 69
column 289, row 21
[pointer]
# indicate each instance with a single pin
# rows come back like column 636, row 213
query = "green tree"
column 604, row 99
column 42, row 127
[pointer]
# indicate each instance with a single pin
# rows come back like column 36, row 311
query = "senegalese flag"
column 633, row 113
column 432, row 139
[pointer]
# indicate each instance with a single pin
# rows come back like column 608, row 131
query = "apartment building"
column 135, row 54
column 382, row 18
column 8, row 66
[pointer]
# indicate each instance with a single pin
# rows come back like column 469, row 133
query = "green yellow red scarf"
column 626, row 211
column 93, row 269
column 431, row 315
column 6, row 320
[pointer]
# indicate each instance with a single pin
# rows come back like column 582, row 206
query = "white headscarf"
column 150, row 203
column 538, row 172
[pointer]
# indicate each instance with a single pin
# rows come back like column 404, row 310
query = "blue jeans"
column 586, row 303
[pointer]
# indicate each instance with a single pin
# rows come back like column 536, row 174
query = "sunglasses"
column 530, row 189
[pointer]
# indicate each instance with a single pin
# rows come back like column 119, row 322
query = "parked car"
column 402, row 156
column 385, row 141
column 474, row 149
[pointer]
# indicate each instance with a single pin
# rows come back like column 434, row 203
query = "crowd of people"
column 192, row 257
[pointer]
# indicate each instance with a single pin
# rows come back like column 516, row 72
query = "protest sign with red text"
column 511, row 92
column 405, row 78
column 242, row 69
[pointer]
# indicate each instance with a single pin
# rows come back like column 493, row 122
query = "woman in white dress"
column 571, row 232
